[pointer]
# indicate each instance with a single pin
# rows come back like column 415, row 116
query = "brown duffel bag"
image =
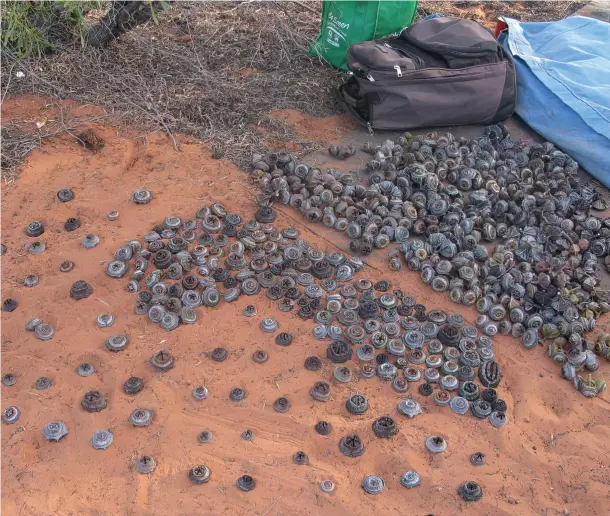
column 440, row 71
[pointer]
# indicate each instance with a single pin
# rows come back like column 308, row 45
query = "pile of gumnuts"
column 184, row 264
column 500, row 224
column 216, row 256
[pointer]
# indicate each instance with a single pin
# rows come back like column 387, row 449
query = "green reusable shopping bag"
column 346, row 23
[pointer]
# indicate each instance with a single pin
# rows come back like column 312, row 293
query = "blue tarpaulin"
column 563, row 93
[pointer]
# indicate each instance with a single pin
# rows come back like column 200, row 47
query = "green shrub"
column 32, row 28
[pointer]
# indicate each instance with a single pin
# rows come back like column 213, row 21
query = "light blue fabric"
column 563, row 86
column 432, row 16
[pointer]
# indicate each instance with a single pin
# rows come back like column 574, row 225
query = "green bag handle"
column 346, row 23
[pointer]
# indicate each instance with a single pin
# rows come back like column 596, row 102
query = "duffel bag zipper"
column 383, row 75
column 397, row 69
column 372, row 66
column 456, row 53
column 415, row 58
column 362, row 74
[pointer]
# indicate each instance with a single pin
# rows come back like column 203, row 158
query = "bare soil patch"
column 550, row 459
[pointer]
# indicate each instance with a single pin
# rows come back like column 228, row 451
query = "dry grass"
column 20, row 138
column 488, row 12
column 214, row 71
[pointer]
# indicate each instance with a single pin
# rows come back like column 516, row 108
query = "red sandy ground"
column 552, row 459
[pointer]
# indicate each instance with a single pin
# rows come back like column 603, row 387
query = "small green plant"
column 157, row 6
column 32, row 28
